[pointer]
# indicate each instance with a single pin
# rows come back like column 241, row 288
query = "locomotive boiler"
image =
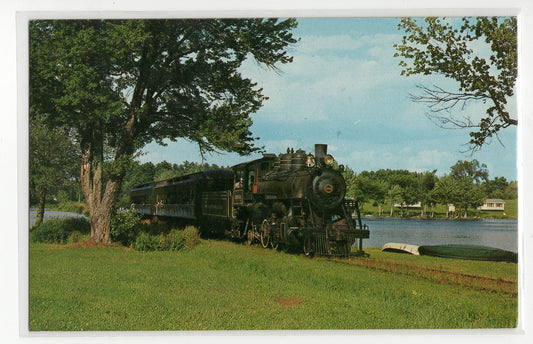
column 295, row 200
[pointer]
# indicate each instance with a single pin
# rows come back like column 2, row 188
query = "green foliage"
column 125, row 226
column 462, row 188
column 52, row 161
column 146, row 242
column 511, row 192
column 175, row 240
column 60, row 230
column 440, row 47
column 497, row 188
column 191, row 237
column 77, row 236
column 182, row 75
column 470, row 171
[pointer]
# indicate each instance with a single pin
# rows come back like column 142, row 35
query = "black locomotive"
column 294, row 200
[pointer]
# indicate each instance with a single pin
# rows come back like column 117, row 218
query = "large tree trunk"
column 100, row 204
column 40, row 207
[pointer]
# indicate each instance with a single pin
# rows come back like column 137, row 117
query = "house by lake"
column 493, row 205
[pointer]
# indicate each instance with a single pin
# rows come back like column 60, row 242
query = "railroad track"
column 437, row 275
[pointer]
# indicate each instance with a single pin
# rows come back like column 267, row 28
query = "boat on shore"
column 469, row 252
column 400, row 248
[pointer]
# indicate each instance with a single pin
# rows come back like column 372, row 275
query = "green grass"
column 227, row 286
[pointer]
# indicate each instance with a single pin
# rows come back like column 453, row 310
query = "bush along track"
column 437, row 275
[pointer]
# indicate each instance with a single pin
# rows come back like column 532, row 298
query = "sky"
column 344, row 89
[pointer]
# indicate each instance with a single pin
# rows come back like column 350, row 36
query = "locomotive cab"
column 252, row 173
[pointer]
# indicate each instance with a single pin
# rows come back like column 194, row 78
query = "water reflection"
column 487, row 232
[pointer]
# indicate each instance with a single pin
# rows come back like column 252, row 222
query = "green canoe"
column 471, row 252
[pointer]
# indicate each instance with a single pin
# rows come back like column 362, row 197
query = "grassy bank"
column 227, row 286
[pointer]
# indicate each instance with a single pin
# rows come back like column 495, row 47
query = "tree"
column 427, row 182
column 468, row 195
column 51, row 159
column 381, row 188
column 511, row 192
column 495, row 188
column 120, row 84
column 441, row 48
column 137, row 174
column 446, row 191
column 408, row 183
column 470, row 171
column 394, row 195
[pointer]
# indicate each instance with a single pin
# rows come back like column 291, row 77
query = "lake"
column 496, row 233
column 52, row 214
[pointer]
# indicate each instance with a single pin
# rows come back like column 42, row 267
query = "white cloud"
column 327, row 70
column 427, row 160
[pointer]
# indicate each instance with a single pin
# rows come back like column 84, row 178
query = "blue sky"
column 344, row 89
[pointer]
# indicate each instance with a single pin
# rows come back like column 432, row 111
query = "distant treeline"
column 466, row 186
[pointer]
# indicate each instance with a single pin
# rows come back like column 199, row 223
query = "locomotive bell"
column 310, row 161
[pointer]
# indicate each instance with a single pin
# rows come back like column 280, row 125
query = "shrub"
column 145, row 242
column 175, row 240
column 76, row 236
column 191, row 237
column 124, row 227
column 55, row 231
column 156, row 228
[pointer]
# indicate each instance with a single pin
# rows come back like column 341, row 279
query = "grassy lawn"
column 227, row 286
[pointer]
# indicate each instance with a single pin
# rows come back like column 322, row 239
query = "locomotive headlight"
column 310, row 161
column 328, row 159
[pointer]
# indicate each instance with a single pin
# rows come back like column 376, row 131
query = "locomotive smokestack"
column 321, row 150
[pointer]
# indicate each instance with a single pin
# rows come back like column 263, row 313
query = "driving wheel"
column 265, row 233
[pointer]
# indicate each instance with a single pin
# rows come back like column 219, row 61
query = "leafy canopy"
column 438, row 47
column 143, row 80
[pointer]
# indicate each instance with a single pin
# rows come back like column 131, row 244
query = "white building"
column 493, row 204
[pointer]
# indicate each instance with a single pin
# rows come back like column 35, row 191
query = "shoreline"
column 475, row 218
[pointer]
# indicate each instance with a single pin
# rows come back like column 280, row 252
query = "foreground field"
column 226, row 286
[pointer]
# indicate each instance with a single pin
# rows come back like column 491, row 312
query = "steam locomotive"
column 294, row 200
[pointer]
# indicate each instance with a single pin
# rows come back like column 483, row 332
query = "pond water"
column 51, row 214
column 496, row 233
